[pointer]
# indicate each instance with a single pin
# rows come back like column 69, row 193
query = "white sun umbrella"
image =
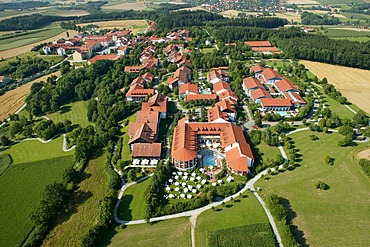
column 180, row 173
column 190, row 187
column 177, row 183
column 199, row 178
column 176, row 177
column 171, row 196
column 194, row 191
column 183, row 184
column 191, row 179
column 182, row 195
column 214, row 184
column 168, row 188
column 185, row 173
column 174, row 173
column 204, row 181
column 216, row 145
column 136, row 161
column 170, row 180
column 193, row 174
column 154, row 162
column 231, row 178
column 189, row 196
column 201, row 169
column 210, row 167
column 219, row 181
column 186, row 190
column 177, row 189
column 199, row 186
column 185, row 177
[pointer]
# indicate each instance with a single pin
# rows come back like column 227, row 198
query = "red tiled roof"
column 259, row 93
column 257, row 68
column 216, row 113
column 252, row 82
column 265, row 49
column 295, row 98
column 285, row 85
column 190, row 97
column 221, row 85
column 228, row 95
column 146, row 150
column 225, row 105
column 258, row 43
column 157, row 102
column 187, row 87
column 269, row 73
column 275, row 102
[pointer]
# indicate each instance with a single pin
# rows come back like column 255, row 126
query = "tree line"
column 314, row 19
column 29, row 22
column 23, row 5
column 24, row 67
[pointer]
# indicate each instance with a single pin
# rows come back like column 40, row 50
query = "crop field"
column 364, row 154
column 168, row 233
column 134, row 25
column 346, row 32
column 303, row 2
column 230, row 13
column 244, row 210
column 12, row 100
column 25, row 43
column 34, row 150
column 340, row 1
column 356, row 16
column 351, row 82
column 21, row 188
column 84, row 207
column 125, row 6
column 289, row 16
column 76, row 112
column 334, row 217
column 132, row 202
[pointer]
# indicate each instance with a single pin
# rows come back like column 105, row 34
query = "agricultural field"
column 334, row 217
column 353, row 83
column 34, row 150
column 76, row 112
column 340, row 1
column 22, row 186
column 18, row 41
column 84, row 207
column 25, row 43
column 356, row 16
column 134, row 25
column 12, row 100
column 125, row 6
column 231, row 13
column 347, row 32
column 303, row 2
column 292, row 17
column 244, row 210
column 168, row 233
column 132, row 203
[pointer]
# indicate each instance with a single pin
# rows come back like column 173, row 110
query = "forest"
column 23, row 5
column 29, row 22
column 314, row 19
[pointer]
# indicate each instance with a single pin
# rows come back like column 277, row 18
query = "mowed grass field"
column 267, row 152
column 132, row 202
column 84, row 207
column 335, row 217
column 12, row 100
column 21, row 188
column 76, row 112
column 126, row 154
column 240, row 212
column 168, row 233
column 34, row 150
column 351, row 82
column 134, row 25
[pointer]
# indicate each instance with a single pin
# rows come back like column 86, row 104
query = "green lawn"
column 132, row 202
column 208, row 50
column 247, row 211
column 84, row 208
column 346, row 33
column 14, row 42
column 21, row 188
column 126, row 154
column 360, row 39
column 356, row 15
column 335, row 217
column 267, row 152
column 76, row 112
column 30, row 151
column 166, row 233
column 339, row 1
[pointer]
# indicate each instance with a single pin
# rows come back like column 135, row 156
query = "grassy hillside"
column 21, row 188
column 84, row 207
column 335, row 217
column 76, row 112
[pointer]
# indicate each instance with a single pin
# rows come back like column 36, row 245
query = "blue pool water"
column 282, row 113
column 205, row 91
column 209, row 160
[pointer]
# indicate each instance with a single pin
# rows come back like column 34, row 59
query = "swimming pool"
column 282, row 113
column 209, row 160
column 205, row 91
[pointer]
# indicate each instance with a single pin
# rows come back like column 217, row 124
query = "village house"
column 181, row 76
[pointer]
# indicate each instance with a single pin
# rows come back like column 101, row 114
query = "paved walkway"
column 65, row 149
